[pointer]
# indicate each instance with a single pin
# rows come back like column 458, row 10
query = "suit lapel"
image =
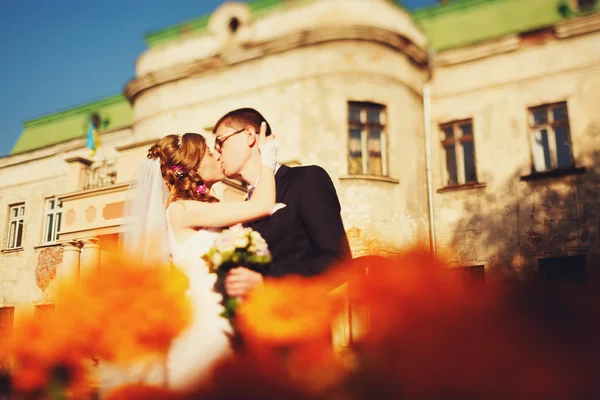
column 283, row 170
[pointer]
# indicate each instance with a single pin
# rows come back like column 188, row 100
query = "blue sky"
column 57, row 54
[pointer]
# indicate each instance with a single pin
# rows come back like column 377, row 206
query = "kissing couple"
column 174, row 217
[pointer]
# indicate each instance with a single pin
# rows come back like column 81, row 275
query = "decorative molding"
column 466, row 186
column 113, row 210
column 90, row 214
column 15, row 250
column 377, row 178
column 136, row 145
column 562, row 30
column 81, row 194
column 82, row 160
column 578, row 26
column 44, row 246
column 106, row 230
column 253, row 51
column 70, row 217
column 477, row 51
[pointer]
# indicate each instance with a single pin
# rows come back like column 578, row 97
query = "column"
column 69, row 269
column 90, row 257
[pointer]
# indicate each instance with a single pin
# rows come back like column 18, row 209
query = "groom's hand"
column 239, row 281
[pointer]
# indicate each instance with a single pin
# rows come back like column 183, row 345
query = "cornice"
column 253, row 51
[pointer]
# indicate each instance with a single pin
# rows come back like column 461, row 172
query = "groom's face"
column 235, row 148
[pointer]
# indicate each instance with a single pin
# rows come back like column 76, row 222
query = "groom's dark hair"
column 243, row 116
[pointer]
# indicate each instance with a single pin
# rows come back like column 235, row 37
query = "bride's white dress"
column 201, row 345
column 206, row 340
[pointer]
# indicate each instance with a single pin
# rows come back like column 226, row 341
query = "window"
column 568, row 269
column 367, row 139
column 234, row 24
column 52, row 222
column 16, row 217
column 7, row 316
column 550, row 137
column 459, row 153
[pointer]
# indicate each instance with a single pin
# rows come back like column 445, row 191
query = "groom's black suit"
column 308, row 235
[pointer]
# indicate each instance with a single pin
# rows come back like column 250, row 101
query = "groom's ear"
column 251, row 136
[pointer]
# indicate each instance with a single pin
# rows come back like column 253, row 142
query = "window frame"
column 550, row 126
column 55, row 212
column 457, row 140
column 10, row 220
column 364, row 125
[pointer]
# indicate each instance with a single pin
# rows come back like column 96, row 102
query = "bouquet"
column 237, row 247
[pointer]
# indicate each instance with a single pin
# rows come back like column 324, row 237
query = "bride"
column 173, row 217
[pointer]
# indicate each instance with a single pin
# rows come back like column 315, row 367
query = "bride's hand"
column 268, row 147
column 262, row 135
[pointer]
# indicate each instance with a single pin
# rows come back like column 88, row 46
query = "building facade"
column 471, row 126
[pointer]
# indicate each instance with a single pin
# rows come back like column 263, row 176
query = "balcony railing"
column 100, row 175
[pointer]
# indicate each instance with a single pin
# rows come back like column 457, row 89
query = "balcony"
column 101, row 175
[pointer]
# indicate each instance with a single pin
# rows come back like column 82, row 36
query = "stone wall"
column 512, row 221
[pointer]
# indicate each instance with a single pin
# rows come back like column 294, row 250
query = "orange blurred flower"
column 128, row 311
column 142, row 392
column 121, row 313
column 288, row 310
column 315, row 369
column 44, row 353
column 435, row 332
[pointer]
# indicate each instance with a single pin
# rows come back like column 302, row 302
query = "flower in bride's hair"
column 201, row 190
column 288, row 310
column 177, row 171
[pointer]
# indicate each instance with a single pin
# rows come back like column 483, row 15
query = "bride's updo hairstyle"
column 179, row 157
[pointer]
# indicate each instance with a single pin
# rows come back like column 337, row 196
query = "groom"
column 305, row 237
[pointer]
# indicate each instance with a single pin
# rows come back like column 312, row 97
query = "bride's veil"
column 145, row 238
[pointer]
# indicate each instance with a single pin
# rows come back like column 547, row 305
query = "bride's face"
column 210, row 168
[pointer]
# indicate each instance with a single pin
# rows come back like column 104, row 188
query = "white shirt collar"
column 251, row 188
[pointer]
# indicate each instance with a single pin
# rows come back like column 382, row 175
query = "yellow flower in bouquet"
column 237, row 247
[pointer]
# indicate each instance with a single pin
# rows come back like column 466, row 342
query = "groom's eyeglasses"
column 219, row 140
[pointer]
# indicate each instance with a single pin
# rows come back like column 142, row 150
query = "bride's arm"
column 192, row 213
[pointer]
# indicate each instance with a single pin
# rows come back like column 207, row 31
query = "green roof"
column 199, row 25
column 115, row 112
column 465, row 22
column 456, row 24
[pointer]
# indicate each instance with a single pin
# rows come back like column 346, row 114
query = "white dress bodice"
column 207, row 339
